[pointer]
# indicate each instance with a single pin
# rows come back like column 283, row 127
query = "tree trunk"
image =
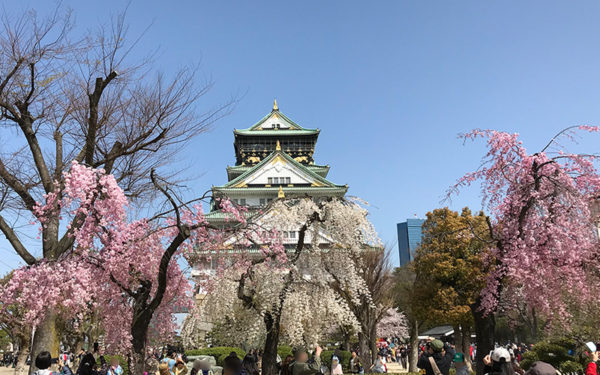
column 364, row 350
column 466, row 344
column 413, row 355
column 484, row 330
column 373, row 342
column 139, row 335
column 269, row 359
column 347, row 336
column 45, row 339
column 24, row 346
column 458, row 339
column 534, row 326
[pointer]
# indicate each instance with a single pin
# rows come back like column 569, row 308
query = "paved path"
column 393, row 368
column 6, row 370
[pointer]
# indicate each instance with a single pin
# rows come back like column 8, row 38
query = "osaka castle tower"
column 273, row 159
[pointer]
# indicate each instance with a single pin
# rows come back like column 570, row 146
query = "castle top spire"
column 275, row 107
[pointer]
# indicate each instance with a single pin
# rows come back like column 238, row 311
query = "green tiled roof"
column 277, row 132
column 216, row 215
column 336, row 190
column 290, row 159
column 253, row 130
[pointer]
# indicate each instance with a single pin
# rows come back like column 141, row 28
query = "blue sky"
column 389, row 83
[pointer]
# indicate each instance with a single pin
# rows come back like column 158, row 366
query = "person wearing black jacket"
column 441, row 357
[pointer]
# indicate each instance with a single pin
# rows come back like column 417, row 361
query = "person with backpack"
column 435, row 360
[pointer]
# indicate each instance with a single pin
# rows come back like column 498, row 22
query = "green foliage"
column 554, row 352
column 448, row 266
column 344, row 356
column 284, row 351
column 122, row 362
column 218, row 352
column 570, row 367
column 4, row 339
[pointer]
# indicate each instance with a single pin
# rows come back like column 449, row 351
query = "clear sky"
column 389, row 83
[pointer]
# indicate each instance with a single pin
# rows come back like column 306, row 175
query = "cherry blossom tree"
column 370, row 268
column 544, row 239
column 124, row 271
column 285, row 293
column 393, row 324
column 83, row 99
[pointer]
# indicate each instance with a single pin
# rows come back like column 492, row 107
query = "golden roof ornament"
column 280, row 194
column 278, row 146
column 275, row 107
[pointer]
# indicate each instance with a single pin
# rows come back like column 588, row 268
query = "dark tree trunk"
column 347, row 337
column 364, row 350
column 484, row 330
column 139, row 332
column 413, row 355
column 373, row 342
column 269, row 359
column 458, row 339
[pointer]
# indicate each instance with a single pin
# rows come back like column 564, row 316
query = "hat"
column 500, row 353
column 541, row 368
column 459, row 357
column 437, row 345
column 591, row 346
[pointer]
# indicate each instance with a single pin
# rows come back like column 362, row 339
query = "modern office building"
column 409, row 238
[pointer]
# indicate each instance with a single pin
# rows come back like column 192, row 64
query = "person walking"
column 460, row 365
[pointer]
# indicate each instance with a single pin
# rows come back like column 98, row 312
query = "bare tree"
column 89, row 101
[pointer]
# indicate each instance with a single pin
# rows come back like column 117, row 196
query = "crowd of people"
column 434, row 358
column 437, row 358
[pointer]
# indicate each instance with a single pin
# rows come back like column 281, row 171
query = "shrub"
column 571, row 367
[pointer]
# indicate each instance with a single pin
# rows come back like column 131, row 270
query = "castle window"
column 243, row 201
column 270, row 180
column 288, row 180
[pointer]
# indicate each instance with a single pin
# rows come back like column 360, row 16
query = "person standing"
column 336, row 367
column 301, row 365
column 115, row 367
column 170, row 360
column 404, row 356
column 435, row 360
column 43, row 361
